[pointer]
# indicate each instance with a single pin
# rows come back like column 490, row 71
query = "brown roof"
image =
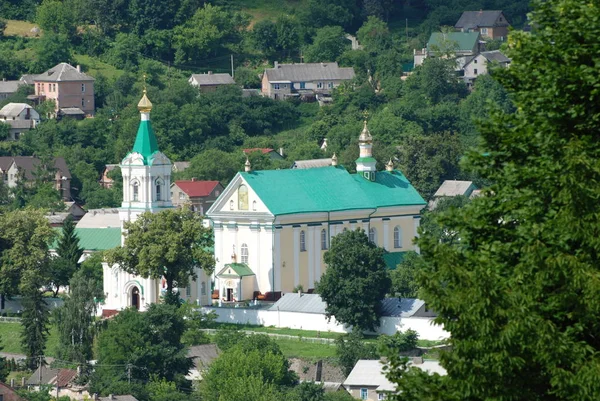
column 65, row 376
column 29, row 163
column 6, row 390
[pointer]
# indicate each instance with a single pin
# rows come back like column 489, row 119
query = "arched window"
column 136, row 191
column 245, row 253
column 158, row 185
column 397, row 237
column 254, row 206
column 373, row 235
column 323, row 239
column 243, row 197
column 302, row 241
column 231, row 204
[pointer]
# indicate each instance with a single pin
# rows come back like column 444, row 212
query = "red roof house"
column 195, row 194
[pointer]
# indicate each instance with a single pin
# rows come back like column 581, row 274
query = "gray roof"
column 495, row 55
column 28, row 79
column 309, row 72
column 455, row 188
column 72, row 111
column 10, row 86
column 369, row 373
column 203, row 355
column 314, row 163
column 305, row 303
column 213, row 79
column 180, row 166
column 57, row 217
column 476, row 19
column 400, row 307
column 61, row 73
column 13, row 109
column 100, row 218
column 29, row 164
column 48, row 376
column 118, row 398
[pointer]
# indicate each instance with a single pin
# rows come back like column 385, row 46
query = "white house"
column 21, row 117
column 479, row 65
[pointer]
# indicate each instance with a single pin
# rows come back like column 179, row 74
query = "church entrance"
column 135, row 298
column 229, row 294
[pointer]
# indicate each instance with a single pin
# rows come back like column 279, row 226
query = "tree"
column 404, row 280
column 518, row 291
column 143, row 346
column 350, row 348
column 195, row 322
column 68, row 254
column 264, row 35
column 75, row 319
column 328, row 45
column 169, row 244
column 57, row 17
column 35, row 320
column 374, row 35
column 52, row 49
column 2, row 26
column 356, row 280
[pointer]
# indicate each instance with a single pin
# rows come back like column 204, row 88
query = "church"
column 146, row 188
column 272, row 228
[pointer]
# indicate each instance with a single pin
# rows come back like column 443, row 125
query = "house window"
column 323, row 239
column 364, row 394
column 397, row 237
column 39, row 87
column 302, row 85
column 475, row 71
column 330, row 85
column 231, row 204
column 275, row 86
column 345, row 229
column 373, row 235
column 474, row 61
column 381, row 396
column 83, row 87
column 181, row 196
column 319, row 85
column 302, row 241
column 243, row 197
column 484, row 31
column 158, row 194
column 245, row 253
column 136, row 191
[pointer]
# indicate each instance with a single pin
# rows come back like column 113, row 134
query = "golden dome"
column 145, row 105
column 365, row 135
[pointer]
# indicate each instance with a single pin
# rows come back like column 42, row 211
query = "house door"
column 135, row 298
column 229, row 294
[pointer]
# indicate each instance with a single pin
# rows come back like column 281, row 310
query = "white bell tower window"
column 136, row 191
column 158, row 184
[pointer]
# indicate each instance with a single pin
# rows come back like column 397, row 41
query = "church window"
column 323, row 239
column 243, row 197
column 203, row 288
column 397, row 237
column 373, row 235
column 231, row 204
column 254, row 206
column 136, row 191
column 302, row 241
column 245, row 253
column 158, row 190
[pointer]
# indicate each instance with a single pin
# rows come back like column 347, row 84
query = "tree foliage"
column 356, row 280
column 35, row 322
column 68, row 254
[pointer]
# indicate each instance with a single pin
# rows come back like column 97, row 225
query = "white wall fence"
column 317, row 322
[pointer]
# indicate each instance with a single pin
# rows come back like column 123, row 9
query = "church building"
column 272, row 227
column 146, row 188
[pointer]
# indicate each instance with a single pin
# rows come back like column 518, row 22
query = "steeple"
column 365, row 164
column 145, row 141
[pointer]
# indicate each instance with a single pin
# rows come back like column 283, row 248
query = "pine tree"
column 35, row 326
column 69, row 252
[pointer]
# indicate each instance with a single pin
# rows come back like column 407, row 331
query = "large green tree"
column 519, row 291
column 35, row 321
column 169, row 244
column 356, row 280
column 68, row 251
column 328, row 45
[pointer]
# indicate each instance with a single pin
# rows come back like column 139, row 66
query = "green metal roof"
column 458, row 41
column 393, row 259
column 240, row 269
column 95, row 239
column 329, row 189
column 145, row 141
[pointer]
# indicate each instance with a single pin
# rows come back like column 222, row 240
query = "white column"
column 386, row 235
column 365, row 226
column 296, row 256
column 311, row 256
column 353, row 226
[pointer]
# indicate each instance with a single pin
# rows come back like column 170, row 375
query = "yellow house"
column 278, row 224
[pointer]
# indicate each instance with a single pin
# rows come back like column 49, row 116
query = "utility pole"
column 232, row 66
column 40, row 370
column 129, row 373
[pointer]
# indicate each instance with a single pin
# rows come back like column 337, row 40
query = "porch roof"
column 239, row 270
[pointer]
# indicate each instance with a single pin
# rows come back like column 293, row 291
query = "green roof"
column 96, row 239
column 393, row 259
column 457, row 41
column 145, row 141
column 329, row 189
column 241, row 269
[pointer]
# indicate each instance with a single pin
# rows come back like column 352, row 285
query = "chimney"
column 281, row 152
column 78, row 68
column 194, row 179
column 276, row 64
column 210, row 73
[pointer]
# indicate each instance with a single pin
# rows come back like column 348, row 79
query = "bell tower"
column 366, row 163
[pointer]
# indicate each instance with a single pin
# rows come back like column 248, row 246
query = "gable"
column 229, row 200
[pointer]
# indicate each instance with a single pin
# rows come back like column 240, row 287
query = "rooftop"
column 29, row 163
column 95, row 239
column 370, row 373
column 10, row 86
column 330, row 189
column 482, row 18
column 13, row 109
column 100, row 218
column 455, row 188
column 203, row 355
column 194, row 188
column 309, row 72
column 313, row 163
column 213, row 79
column 63, row 72
column 458, row 41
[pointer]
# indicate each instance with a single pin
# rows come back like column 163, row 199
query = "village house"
column 9, row 88
column 479, row 65
column 490, row 24
column 8, row 394
column 70, row 89
column 15, row 168
column 273, row 227
column 210, row 82
column 21, row 117
column 462, row 45
column 105, row 180
column 59, row 382
column 305, row 81
column 273, row 154
column 194, row 194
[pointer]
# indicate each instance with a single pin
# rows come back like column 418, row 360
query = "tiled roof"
column 29, row 164
column 213, row 79
column 460, row 41
column 61, row 73
column 95, row 239
column 480, row 19
column 264, row 151
column 309, row 72
column 195, row 188
column 329, row 189
column 10, row 86
column 65, row 376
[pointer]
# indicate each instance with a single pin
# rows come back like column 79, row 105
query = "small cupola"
column 366, row 163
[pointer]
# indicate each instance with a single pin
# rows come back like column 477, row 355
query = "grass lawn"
column 18, row 28
column 10, row 339
column 303, row 349
column 93, row 66
column 268, row 9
